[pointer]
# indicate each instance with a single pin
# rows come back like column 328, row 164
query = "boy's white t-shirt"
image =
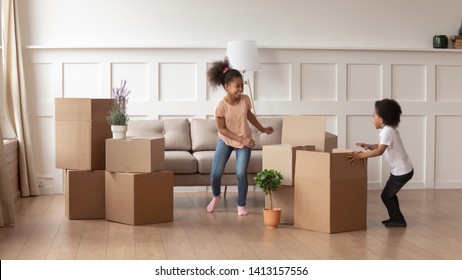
column 395, row 154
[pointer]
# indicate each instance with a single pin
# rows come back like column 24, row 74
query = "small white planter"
column 119, row 131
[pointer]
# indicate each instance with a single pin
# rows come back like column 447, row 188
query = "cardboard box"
column 282, row 158
column 283, row 198
column 139, row 198
column 308, row 130
column 80, row 145
column 81, row 130
column 330, row 193
column 85, row 194
column 82, row 109
column 135, row 155
column 339, row 150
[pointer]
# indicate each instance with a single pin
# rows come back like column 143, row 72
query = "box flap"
column 339, row 150
column 312, row 165
column 329, row 135
column 330, row 143
column 302, row 127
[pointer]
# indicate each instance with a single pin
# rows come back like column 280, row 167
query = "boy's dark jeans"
column 389, row 197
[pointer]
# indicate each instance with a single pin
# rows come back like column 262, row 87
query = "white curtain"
column 15, row 95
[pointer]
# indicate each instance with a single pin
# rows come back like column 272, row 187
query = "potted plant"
column 118, row 116
column 269, row 181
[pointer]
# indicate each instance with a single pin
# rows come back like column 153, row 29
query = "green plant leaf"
column 268, row 181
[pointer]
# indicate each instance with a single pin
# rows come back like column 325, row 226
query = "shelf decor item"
column 460, row 29
column 269, row 180
column 118, row 116
column 440, row 42
column 457, row 42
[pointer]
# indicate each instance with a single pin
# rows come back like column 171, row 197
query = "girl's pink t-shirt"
column 235, row 119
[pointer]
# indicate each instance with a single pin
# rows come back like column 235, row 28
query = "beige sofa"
column 190, row 147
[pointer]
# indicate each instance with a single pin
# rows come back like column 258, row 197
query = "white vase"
column 119, row 131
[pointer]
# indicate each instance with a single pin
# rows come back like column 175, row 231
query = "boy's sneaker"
column 396, row 224
column 386, row 221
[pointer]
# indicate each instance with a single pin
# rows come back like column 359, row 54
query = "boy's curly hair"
column 389, row 110
column 221, row 73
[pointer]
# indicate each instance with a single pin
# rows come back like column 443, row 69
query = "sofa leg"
column 226, row 188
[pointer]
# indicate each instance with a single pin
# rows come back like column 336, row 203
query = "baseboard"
column 48, row 190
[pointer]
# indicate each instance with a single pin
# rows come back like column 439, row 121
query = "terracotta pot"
column 119, row 131
column 272, row 218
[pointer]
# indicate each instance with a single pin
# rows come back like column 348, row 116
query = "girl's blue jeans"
column 222, row 154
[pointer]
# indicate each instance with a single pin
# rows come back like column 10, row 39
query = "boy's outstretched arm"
column 378, row 151
column 367, row 146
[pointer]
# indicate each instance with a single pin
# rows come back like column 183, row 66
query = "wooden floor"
column 43, row 232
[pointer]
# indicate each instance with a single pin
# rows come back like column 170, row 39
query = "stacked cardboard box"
column 135, row 155
column 137, row 190
column 85, row 194
column 81, row 130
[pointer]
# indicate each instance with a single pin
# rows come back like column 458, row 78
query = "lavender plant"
column 118, row 114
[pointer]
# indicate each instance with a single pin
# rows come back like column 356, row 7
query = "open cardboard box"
column 330, row 193
column 282, row 158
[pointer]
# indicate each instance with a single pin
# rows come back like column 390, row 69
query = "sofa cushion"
column 145, row 128
column 205, row 159
column 180, row 162
column 204, row 134
column 177, row 136
column 263, row 139
column 175, row 132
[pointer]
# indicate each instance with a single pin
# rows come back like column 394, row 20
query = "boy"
column 387, row 117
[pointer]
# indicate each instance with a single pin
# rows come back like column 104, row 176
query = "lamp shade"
column 243, row 55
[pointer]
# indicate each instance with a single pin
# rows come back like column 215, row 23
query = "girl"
column 232, row 116
column 387, row 117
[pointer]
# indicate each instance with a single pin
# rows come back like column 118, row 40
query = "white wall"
column 83, row 48
column 273, row 23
